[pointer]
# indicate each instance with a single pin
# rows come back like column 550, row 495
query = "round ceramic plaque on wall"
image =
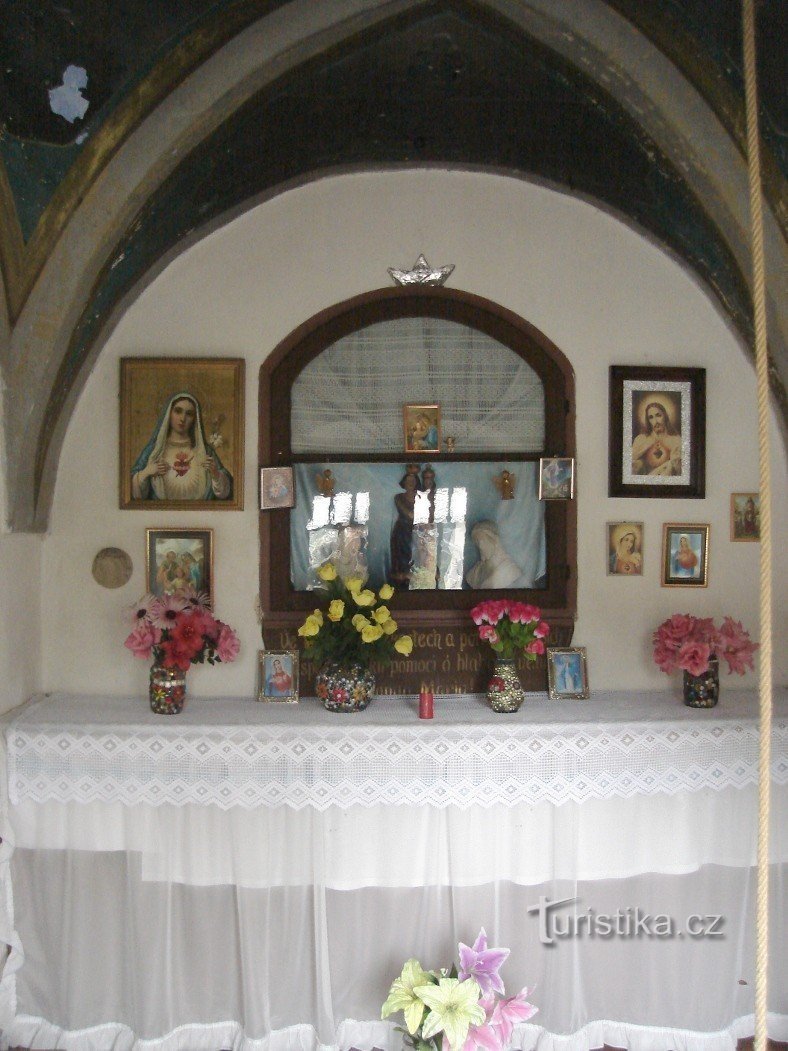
column 112, row 567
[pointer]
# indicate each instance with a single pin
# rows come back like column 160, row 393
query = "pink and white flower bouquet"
column 458, row 1009
column 689, row 643
column 511, row 626
column 179, row 630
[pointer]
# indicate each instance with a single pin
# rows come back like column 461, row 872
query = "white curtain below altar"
column 115, row 961
column 404, row 846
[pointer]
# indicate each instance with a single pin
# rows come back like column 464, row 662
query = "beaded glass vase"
column 167, row 690
column 505, row 691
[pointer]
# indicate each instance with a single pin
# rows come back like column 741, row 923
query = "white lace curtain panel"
column 349, row 399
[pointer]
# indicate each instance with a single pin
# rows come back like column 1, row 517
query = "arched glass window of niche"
column 331, row 400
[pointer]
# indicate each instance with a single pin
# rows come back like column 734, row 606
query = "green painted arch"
column 122, row 259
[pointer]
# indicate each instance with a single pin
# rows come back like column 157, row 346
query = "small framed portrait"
column 657, row 431
column 179, row 561
column 422, row 427
column 556, row 478
column 278, row 675
column 276, row 488
column 567, row 673
column 181, row 433
column 685, row 555
column 625, row 549
column 745, row 516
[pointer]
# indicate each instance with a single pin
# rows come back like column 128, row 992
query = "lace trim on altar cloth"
column 229, row 754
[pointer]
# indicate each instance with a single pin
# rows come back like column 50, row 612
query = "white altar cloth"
column 230, row 753
column 193, row 923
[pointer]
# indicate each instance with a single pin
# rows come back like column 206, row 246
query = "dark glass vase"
column 344, row 687
column 167, row 690
column 703, row 691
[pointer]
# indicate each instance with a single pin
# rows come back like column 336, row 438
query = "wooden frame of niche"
column 438, row 620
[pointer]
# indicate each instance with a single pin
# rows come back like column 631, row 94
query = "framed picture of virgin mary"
column 181, row 433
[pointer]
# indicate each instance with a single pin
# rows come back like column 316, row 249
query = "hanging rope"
column 765, row 673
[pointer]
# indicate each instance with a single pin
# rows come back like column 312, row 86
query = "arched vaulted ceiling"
column 200, row 110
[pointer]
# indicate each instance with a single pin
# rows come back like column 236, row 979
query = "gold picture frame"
column 177, row 559
column 422, row 428
column 567, row 673
column 745, row 518
column 181, row 434
column 685, row 555
column 278, row 676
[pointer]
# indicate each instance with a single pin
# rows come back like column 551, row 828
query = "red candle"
column 426, row 704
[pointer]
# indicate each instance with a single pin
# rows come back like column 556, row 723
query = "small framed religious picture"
column 422, row 427
column 745, row 516
column 685, row 554
column 276, row 488
column 278, row 680
column 567, row 673
column 556, row 478
column 657, row 431
column 625, row 549
column 181, row 433
column 180, row 561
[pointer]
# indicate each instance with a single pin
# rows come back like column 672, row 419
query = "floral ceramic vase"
column 344, row 687
column 167, row 690
column 703, row 691
column 504, row 691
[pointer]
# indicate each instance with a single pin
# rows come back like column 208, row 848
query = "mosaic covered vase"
column 344, row 687
column 703, row 691
column 167, row 690
column 505, row 691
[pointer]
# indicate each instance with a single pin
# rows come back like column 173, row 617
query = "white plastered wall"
column 598, row 289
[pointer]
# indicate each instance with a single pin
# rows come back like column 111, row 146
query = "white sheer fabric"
column 346, row 848
column 349, row 399
column 114, row 962
column 193, row 927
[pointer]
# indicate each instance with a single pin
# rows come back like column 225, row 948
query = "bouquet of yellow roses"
column 357, row 627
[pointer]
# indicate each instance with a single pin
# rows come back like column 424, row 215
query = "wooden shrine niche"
column 447, row 511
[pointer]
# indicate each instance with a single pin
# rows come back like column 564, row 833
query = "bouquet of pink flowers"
column 458, row 1010
column 511, row 626
column 179, row 630
column 689, row 643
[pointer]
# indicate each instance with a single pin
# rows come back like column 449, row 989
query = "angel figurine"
column 326, row 482
column 504, row 483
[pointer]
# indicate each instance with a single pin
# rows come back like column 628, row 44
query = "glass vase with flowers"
column 177, row 631
column 695, row 645
column 509, row 627
column 356, row 628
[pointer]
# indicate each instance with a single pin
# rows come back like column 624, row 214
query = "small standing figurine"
column 326, row 482
column 451, row 443
column 504, row 483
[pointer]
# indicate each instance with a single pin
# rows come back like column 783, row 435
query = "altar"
column 254, row 875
